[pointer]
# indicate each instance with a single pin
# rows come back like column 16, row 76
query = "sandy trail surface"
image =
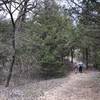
column 85, row 86
column 76, row 86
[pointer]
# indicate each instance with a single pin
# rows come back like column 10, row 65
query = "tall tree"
column 8, row 6
column 52, row 30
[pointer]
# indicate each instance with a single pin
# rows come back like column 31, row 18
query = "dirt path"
column 85, row 86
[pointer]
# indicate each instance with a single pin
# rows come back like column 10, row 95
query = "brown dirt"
column 85, row 86
column 76, row 86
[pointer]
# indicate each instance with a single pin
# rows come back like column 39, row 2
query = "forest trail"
column 76, row 86
column 85, row 86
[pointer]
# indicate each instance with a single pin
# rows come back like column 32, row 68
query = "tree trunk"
column 72, row 55
column 10, row 71
column 87, row 54
column 95, row 63
column 13, row 57
column 95, row 57
column 83, row 54
column 62, row 58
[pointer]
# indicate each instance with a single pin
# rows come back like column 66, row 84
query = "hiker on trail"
column 80, row 68
column 81, row 65
column 75, row 67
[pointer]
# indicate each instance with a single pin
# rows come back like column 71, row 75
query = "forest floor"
column 77, row 86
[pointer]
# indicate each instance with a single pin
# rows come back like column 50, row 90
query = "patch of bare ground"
column 85, row 86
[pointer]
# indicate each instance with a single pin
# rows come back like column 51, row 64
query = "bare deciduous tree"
column 21, row 7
